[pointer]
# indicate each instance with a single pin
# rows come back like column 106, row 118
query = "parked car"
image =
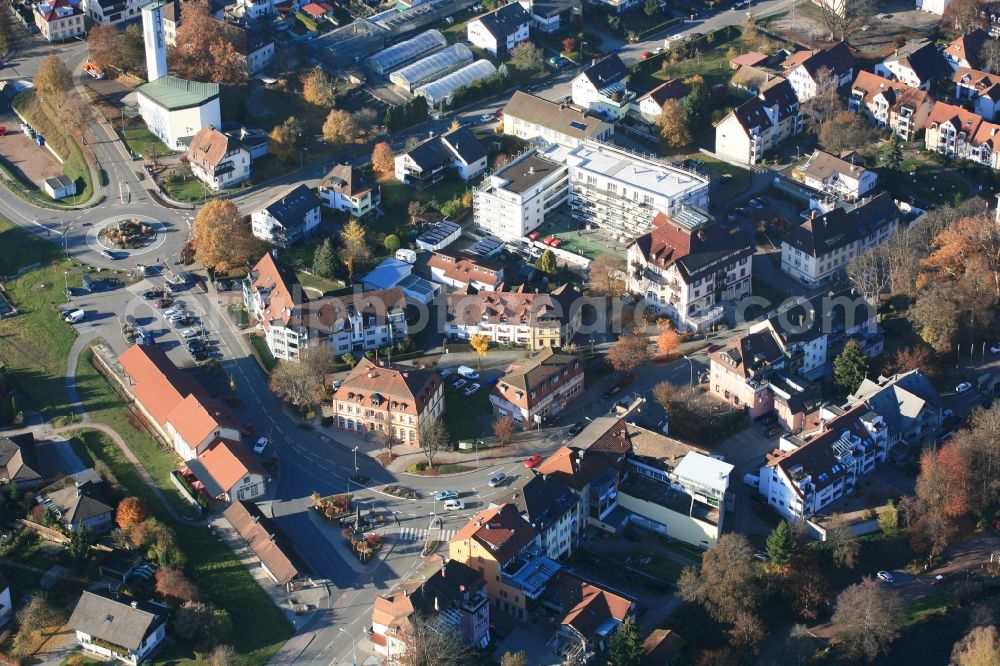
column 467, row 372
column 444, row 372
column 886, row 577
column 947, row 413
column 443, row 495
column 963, row 387
column 498, row 479
column 75, row 316
column 171, row 312
column 774, row 431
column 995, row 349
column 152, row 294
column 163, row 302
column 260, row 445
column 454, row 505
column 459, row 383
column 756, row 203
column 533, row 462
column 761, row 555
column 107, row 255
column 575, row 429
column 612, row 392
column 188, row 333
column 472, row 388
column 200, row 355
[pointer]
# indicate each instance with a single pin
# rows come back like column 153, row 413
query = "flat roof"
column 527, row 172
column 174, row 94
column 707, row 471
column 637, row 171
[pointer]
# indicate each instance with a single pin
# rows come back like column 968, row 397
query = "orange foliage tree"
column 131, row 511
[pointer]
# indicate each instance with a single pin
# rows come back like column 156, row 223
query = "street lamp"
column 582, row 44
column 355, row 464
column 66, row 282
column 302, row 151
column 354, row 644
column 691, row 366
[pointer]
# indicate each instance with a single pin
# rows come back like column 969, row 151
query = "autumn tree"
column 547, row 262
column 888, row 519
column 208, row 49
column 222, row 238
column 781, row 544
column 428, row 645
column 843, row 544
column 518, row 659
column 131, row 52
column 391, row 243
column 131, row 511
column 912, row 358
column 935, row 316
column 980, row 647
column 325, row 259
column 668, row 340
column 224, row 655
column 503, row 429
column 869, row 617
column 318, row 88
column 727, row 583
column 434, row 438
column 608, row 274
column 527, row 57
column 628, row 353
column 34, row 618
column 978, row 466
column 284, row 138
column 675, row 132
column 625, row 647
column 962, row 15
column 296, row 384
column 102, row 44
column 481, row 346
column 569, row 45
column 52, row 79
column 340, row 128
column 969, row 245
column 850, row 367
column 747, row 632
column 171, row 582
column 202, row 624
column 845, row 130
column 355, row 251
column 845, row 18
column 688, row 407
column 383, row 159
column 806, row 587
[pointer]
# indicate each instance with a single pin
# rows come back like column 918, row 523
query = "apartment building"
column 550, row 506
column 502, row 546
column 602, row 88
column 840, row 177
column 457, row 151
column 593, row 478
column 811, row 470
column 218, row 160
column 537, row 388
column 499, row 31
column 288, row 218
column 953, row 131
column 759, row 124
column 549, row 15
column 347, row 189
column 909, row 403
column 740, row 370
column 982, row 89
column 513, row 201
column 819, row 249
column 965, row 50
column 463, row 272
column 112, row 12
column 58, row 20
column 534, row 321
column 812, row 72
column 689, row 266
column 532, row 118
column 890, row 104
column 396, row 400
column 917, row 64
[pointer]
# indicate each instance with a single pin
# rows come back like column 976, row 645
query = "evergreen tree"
column 850, row 367
column 391, row 243
column 891, row 154
column 547, row 263
column 80, row 542
column 325, row 259
column 625, row 648
column 781, row 544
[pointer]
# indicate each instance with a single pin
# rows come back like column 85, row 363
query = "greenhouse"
column 432, row 67
column 407, row 51
column 435, row 91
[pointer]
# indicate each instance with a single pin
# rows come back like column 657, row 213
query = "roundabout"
column 136, row 234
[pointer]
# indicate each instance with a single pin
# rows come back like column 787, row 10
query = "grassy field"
column 931, row 184
column 263, row 352
column 737, row 183
column 44, row 120
column 310, row 281
column 468, row 417
column 935, row 603
column 259, row 628
column 143, row 142
column 186, row 190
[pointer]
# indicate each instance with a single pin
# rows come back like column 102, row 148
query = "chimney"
column 406, row 593
column 256, row 519
column 593, row 61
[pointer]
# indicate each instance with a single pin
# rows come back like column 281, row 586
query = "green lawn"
column 321, row 284
column 931, row 184
column 935, row 603
column 661, row 567
column 186, row 190
column 143, row 142
column 44, row 120
column 263, row 352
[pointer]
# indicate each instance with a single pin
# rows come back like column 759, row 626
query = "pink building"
column 740, row 369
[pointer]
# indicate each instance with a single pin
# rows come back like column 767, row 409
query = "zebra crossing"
column 410, row 534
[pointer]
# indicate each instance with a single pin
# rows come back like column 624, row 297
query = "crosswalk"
column 410, row 534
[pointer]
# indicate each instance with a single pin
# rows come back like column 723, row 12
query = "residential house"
column 318, row 10
column 453, row 597
column 19, row 461
column 933, row 6
column 955, row 132
column 278, row 559
column 78, row 505
column 288, row 218
column 591, row 475
column 229, row 471
column 619, row 6
column 59, row 20
column 273, row 296
column 602, row 88
column 917, row 64
column 649, row 105
column 112, row 12
column 690, row 266
column 982, row 89
column 395, row 273
column 464, row 271
column 590, row 615
column 538, row 388
column 350, row 190
column 515, row 317
column 506, row 550
column 218, row 160
column 550, row 506
column 429, row 162
column 253, row 139
column 529, row 117
column 909, row 403
column 890, row 104
column 392, row 399
column 550, row 15
column 819, row 249
column 811, row 72
column 257, row 48
column 127, row 630
column 749, row 59
column 759, row 124
column 174, row 403
column 499, row 31
column 964, row 51
column 811, row 470
column 838, row 177
column 739, row 371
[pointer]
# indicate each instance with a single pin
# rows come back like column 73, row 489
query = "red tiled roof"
column 228, row 462
column 590, row 606
column 500, row 530
column 283, row 297
column 158, row 384
column 410, row 388
column 465, row 269
column 752, row 58
column 259, row 534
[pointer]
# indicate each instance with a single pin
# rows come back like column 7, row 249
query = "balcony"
column 529, row 573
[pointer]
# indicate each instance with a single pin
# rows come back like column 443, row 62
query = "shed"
column 59, row 187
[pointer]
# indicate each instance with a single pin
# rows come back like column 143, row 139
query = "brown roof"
column 461, row 268
column 526, row 383
column 283, row 294
column 823, row 165
column 198, row 416
column 538, row 310
column 553, row 116
column 694, row 250
column 228, row 462
column 325, row 315
column 209, row 147
column 345, row 179
column 445, row 588
column 573, row 466
column 265, row 540
column 748, row 354
column 967, row 47
column 650, row 444
column 961, row 119
column 409, row 389
column 672, row 89
column 661, row 647
column 897, row 94
column 837, row 58
column 752, row 58
column 500, row 530
column 589, row 606
column 984, row 83
column 53, row 15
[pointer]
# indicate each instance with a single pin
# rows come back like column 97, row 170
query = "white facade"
column 173, row 125
column 933, row 6
column 611, row 103
column 260, row 58
column 112, row 12
column 514, row 201
column 479, row 35
column 154, row 40
column 268, row 228
column 357, row 206
column 188, row 450
column 149, row 644
column 898, row 70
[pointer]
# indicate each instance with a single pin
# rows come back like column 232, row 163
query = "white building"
column 500, row 31
column 429, row 162
column 933, row 6
column 981, row 88
column 747, row 132
column 549, row 15
column 514, row 201
column 258, row 50
column 649, row 105
column 602, row 89
column 817, row 467
column 530, row 118
column 113, row 628
column 916, row 64
column 59, row 187
column 689, row 266
column 956, row 132
column 804, row 70
column 288, row 218
column 218, row 160
column 347, row 189
column 59, row 20
column 462, row 271
column 841, row 178
column 112, row 12
column 819, row 249
column 967, row 50
column 890, row 104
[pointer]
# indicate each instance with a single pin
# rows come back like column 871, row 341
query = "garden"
column 128, row 234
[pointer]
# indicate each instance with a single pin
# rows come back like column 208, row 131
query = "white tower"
column 152, row 34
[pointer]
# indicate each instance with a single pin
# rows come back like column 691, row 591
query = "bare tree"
column 434, row 439
column 434, row 645
column 845, row 17
column 844, row 545
column 608, row 275
column 503, row 428
column 869, row 272
column 727, row 584
column 296, row 384
column 869, row 617
column 747, row 632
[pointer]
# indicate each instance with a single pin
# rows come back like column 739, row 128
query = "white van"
column 75, row 316
column 409, row 256
column 467, row 372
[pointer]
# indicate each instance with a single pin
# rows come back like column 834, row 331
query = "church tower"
column 156, row 47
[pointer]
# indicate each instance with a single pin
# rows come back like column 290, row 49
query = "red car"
column 647, row 55
column 534, row 235
column 556, row 242
column 533, row 462
column 163, row 302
